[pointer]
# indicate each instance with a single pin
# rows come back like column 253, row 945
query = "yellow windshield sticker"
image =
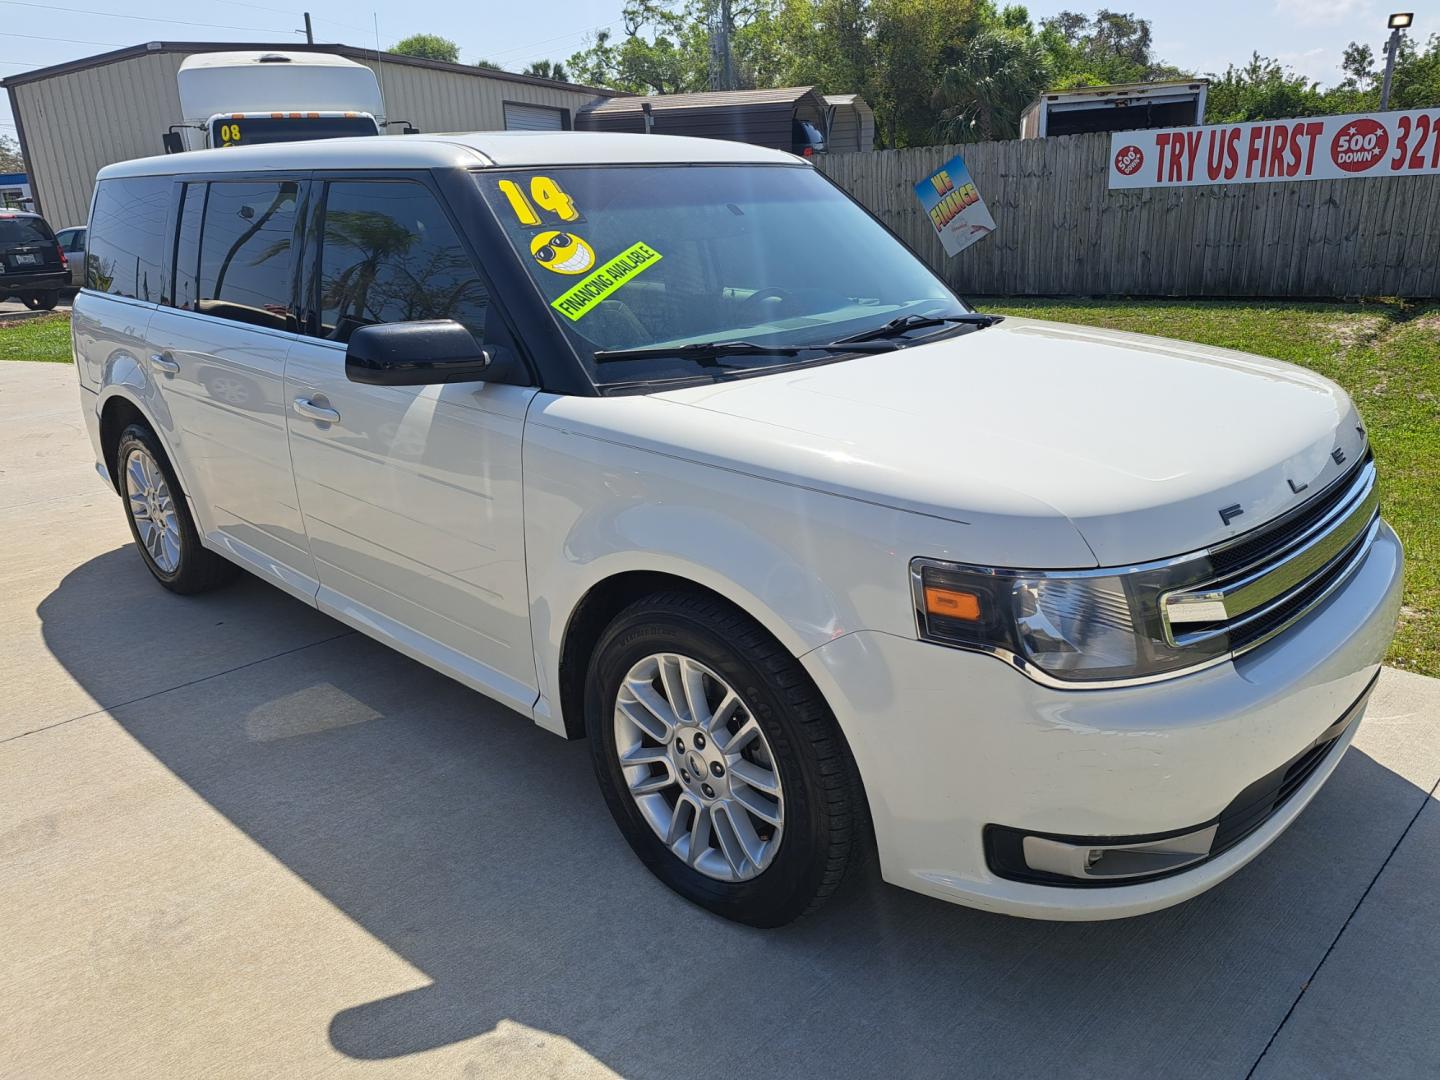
column 524, row 212
column 583, row 298
column 545, row 193
column 549, row 195
column 564, row 253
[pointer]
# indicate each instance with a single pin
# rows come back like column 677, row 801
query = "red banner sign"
column 1317, row 148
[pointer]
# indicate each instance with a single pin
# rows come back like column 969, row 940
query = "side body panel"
column 226, row 396
column 109, row 340
column 107, row 331
column 412, row 501
column 810, row 566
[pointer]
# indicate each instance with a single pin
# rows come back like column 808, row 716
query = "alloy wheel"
column 153, row 509
column 699, row 767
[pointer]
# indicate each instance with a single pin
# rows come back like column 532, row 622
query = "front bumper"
column 949, row 742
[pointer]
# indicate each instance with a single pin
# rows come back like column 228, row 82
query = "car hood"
column 1139, row 442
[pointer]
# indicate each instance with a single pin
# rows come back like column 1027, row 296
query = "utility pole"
column 722, row 61
column 727, row 58
column 309, row 33
column 1399, row 22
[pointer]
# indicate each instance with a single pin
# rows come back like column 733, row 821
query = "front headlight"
column 1075, row 627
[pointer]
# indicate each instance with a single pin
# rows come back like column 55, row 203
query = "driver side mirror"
column 415, row 354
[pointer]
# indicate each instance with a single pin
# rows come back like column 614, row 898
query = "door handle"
column 305, row 407
column 165, row 362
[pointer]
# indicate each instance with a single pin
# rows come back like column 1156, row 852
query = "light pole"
column 1399, row 22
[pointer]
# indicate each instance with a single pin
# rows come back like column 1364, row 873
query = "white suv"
column 667, row 443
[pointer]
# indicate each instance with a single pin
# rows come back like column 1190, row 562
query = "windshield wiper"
column 706, row 353
column 896, row 327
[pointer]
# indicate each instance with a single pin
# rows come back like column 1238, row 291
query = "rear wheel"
column 160, row 518
column 719, row 760
column 45, row 301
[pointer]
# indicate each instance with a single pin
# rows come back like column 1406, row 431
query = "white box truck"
column 245, row 98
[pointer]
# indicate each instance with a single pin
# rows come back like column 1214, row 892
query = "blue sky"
column 1307, row 34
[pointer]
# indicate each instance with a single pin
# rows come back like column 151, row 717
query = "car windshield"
column 640, row 261
column 23, row 230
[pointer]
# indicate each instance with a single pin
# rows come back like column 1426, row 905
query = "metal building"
column 74, row 118
column 851, row 124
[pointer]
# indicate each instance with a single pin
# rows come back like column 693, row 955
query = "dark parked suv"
column 32, row 266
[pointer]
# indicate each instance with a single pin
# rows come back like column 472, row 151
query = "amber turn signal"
column 952, row 603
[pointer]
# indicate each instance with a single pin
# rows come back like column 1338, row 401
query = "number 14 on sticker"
column 546, row 193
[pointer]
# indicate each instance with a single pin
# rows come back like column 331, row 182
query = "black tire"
column 199, row 569
column 824, row 804
column 42, row 301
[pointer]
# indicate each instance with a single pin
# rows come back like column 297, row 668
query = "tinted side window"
column 127, row 232
column 389, row 254
column 245, row 252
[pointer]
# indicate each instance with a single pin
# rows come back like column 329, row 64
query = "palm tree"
column 384, row 272
column 360, row 243
column 547, row 69
column 996, row 75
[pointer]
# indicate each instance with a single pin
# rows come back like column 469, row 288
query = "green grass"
column 44, row 338
column 1387, row 355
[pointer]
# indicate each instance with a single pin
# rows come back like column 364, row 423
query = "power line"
column 344, row 26
column 257, row 7
column 71, row 40
column 142, row 18
column 562, row 37
column 290, row 12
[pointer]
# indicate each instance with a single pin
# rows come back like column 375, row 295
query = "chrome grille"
column 1270, row 579
column 1253, row 546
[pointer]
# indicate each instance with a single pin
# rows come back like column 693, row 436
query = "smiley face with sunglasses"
column 562, row 252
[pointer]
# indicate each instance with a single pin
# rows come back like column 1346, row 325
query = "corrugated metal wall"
column 844, row 134
column 76, row 124
column 450, row 101
column 851, row 129
column 79, row 122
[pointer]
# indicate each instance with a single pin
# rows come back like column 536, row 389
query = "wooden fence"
column 1061, row 232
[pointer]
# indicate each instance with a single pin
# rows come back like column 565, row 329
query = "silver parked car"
column 72, row 242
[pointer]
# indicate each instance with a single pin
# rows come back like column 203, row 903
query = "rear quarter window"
column 126, row 237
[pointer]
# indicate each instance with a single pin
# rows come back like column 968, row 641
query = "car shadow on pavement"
column 478, row 848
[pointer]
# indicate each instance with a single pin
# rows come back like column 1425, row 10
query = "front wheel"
column 719, row 760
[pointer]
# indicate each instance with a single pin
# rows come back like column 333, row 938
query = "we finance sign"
column 1315, row 148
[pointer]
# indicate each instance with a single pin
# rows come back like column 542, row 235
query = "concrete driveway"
column 237, row 839
column 10, row 309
